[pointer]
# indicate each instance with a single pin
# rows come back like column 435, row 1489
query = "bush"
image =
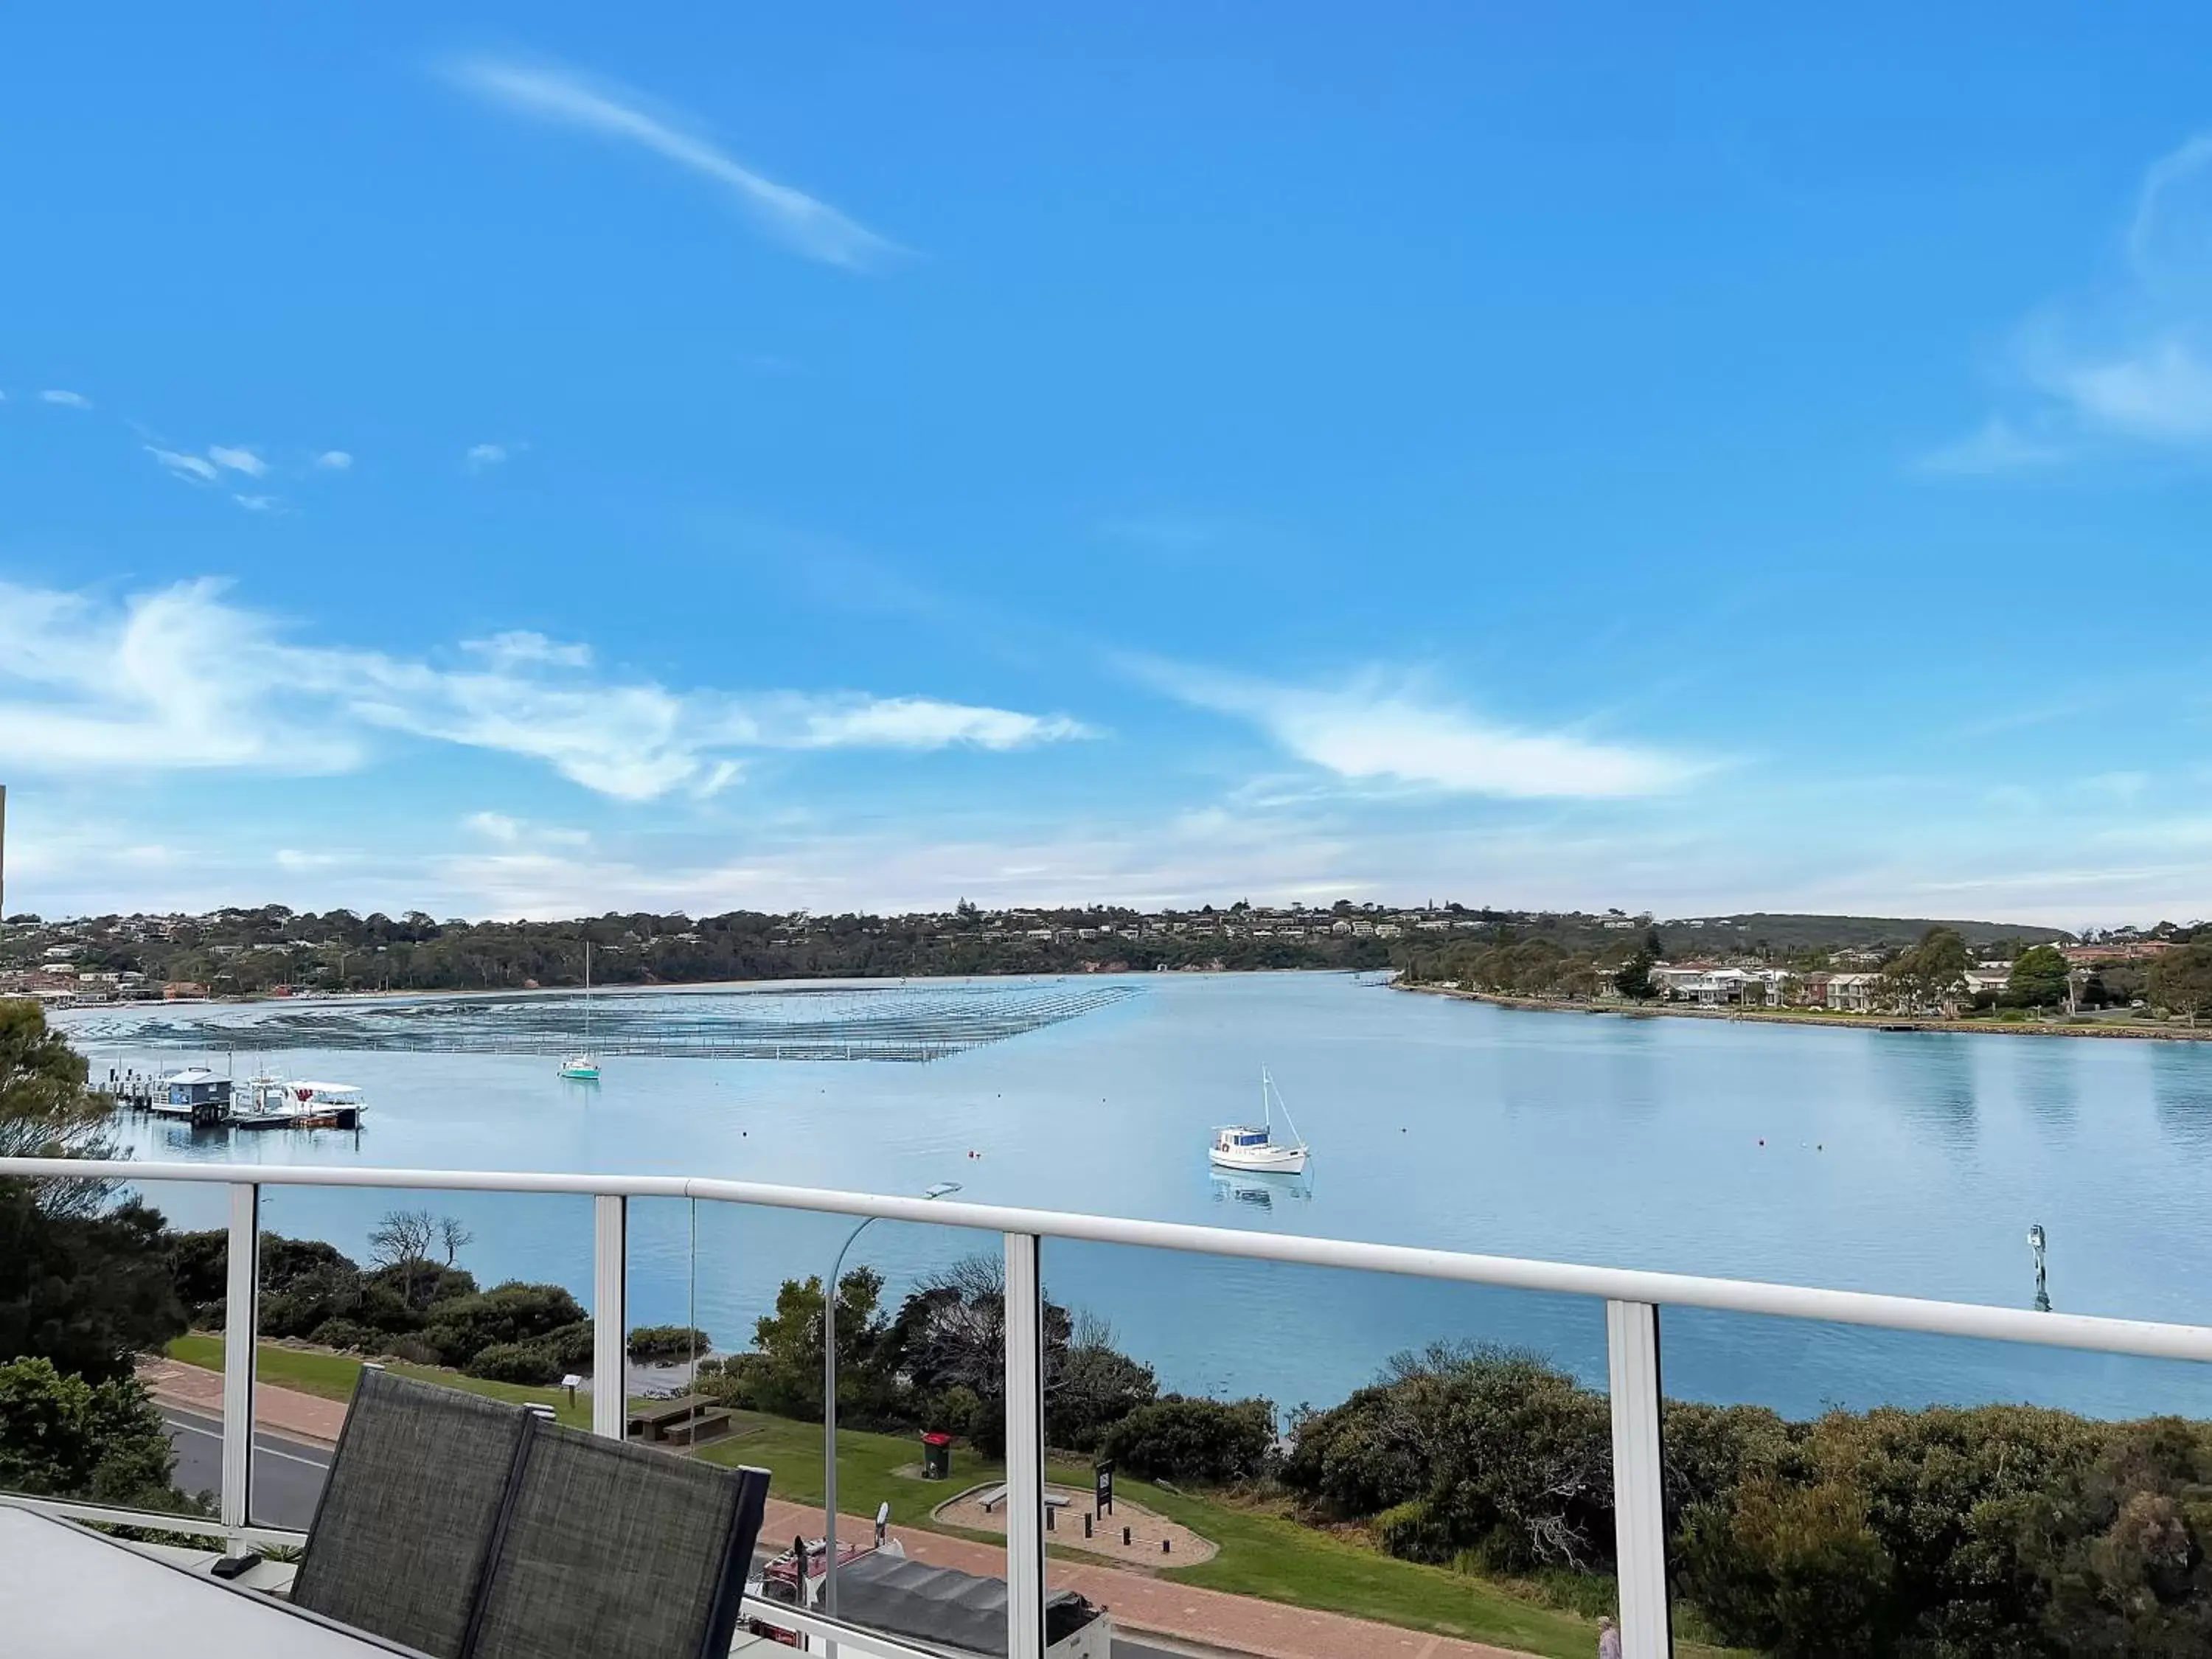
column 462, row 1327
column 1203, row 1442
column 1511, row 1459
column 664, row 1345
column 1098, row 1385
column 62, row 1437
column 516, row 1362
column 572, row 1344
column 348, row 1335
column 955, row 1410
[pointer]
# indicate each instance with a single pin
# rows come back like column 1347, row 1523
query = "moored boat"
column 583, row 1065
column 1253, row 1148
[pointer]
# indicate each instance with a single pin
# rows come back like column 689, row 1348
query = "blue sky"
column 553, row 463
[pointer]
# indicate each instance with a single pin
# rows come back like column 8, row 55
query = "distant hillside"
column 1759, row 930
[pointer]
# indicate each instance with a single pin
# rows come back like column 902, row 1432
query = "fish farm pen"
column 886, row 1023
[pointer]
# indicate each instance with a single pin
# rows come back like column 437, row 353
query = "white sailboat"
column 1253, row 1148
column 583, row 1066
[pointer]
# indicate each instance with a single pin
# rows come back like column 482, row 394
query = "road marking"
column 260, row 1445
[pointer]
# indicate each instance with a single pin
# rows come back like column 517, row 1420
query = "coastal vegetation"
column 258, row 951
column 404, row 1304
column 84, row 1288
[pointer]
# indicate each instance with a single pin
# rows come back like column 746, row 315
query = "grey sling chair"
column 469, row 1529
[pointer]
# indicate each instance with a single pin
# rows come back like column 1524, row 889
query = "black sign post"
column 1103, row 1496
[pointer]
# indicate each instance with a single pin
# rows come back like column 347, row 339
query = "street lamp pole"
column 938, row 1190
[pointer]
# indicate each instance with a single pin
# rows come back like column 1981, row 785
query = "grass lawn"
column 332, row 1376
column 1267, row 1556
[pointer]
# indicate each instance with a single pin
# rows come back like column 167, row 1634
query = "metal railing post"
column 241, row 1322
column 1024, row 1448
column 609, row 1314
column 1639, row 1496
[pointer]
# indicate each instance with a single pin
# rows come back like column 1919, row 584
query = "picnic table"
column 684, row 1420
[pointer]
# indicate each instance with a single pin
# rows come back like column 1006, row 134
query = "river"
column 1897, row 1162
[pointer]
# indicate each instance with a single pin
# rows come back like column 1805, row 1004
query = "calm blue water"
column 1892, row 1162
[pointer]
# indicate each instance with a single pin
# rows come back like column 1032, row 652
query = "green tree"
column 87, row 1292
column 785, row 1375
column 2038, row 978
column 46, row 1108
column 62, row 1437
column 1634, row 979
column 1932, row 972
column 2181, row 981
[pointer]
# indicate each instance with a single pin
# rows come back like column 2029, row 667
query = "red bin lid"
column 934, row 1438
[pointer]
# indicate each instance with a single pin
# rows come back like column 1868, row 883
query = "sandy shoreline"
column 1828, row 1022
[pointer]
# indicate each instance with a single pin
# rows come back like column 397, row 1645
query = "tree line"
column 249, row 951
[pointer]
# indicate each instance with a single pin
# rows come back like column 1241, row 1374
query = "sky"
column 544, row 463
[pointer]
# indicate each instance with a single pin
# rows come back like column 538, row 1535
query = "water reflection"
column 1931, row 1075
column 2047, row 1085
column 1261, row 1192
column 2181, row 1093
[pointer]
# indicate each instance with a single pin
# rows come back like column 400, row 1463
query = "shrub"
column 464, row 1326
column 1511, row 1459
column 955, row 1410
column 62, row 1437
column 572, row 1344
column 516, row 1362
column 662, row 1344
column 349, row 1334
column 1097, row 1387
column 1203, row 1441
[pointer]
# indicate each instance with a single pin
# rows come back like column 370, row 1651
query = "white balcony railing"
column 1633, row 1300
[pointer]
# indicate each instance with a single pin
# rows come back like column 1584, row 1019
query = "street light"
column 935, row 1189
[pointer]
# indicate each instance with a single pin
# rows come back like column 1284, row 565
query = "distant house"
column 2125, row 950
column 1854, row 993
column 1990, row 980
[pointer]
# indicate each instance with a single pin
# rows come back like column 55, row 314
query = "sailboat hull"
column 1260, row 1160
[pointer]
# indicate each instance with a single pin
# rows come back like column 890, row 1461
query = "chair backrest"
column 617, row 1552
column 410, row 1510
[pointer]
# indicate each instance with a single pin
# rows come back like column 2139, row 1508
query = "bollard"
column 1047, row 1518
column 1086, row 1526
column 1125, row 1534
column 1163, row 1547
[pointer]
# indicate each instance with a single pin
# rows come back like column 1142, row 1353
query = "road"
column 287, row 1479
column 287, row 1474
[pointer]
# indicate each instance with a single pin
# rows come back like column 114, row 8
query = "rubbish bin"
column 936, row 1457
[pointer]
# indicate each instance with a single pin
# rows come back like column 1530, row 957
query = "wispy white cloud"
column 481, row 456
column 193, row 468
column 257, row 503
column 238, row 461
column 1995, row 446
column 917, row 723
column 334, row 460
column 2128, row 360
column 1373, row 729
column 87, row 685
column 520, row 646
column 799, row 221
column 66, row 399
column 506, row 830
